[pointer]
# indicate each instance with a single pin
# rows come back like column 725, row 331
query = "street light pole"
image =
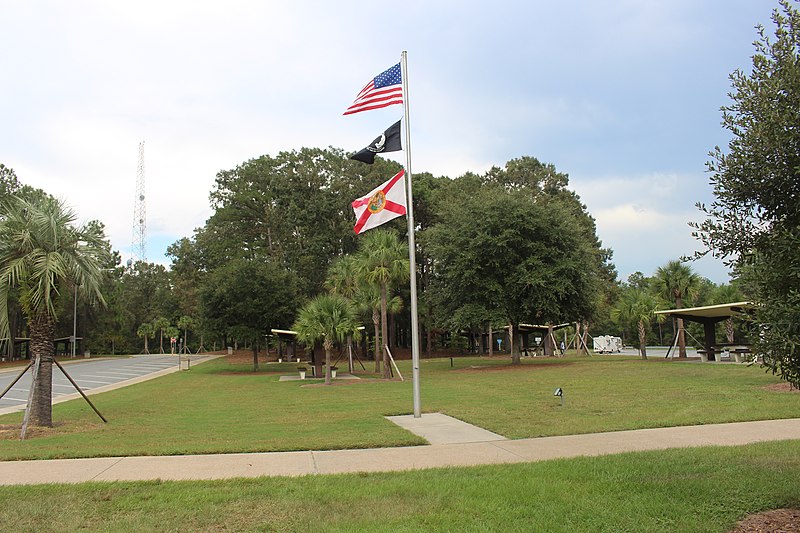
column 74, row 320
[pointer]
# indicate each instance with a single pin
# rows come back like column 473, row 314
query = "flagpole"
column 412, row 258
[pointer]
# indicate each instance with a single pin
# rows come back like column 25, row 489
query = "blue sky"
column 622, row 95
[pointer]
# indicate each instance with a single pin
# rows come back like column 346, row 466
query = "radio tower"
column 139, row 214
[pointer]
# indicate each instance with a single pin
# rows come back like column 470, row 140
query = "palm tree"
column 383, row 260
column 345, row 279
column 725, row 294
column 43, row 254
column 146, row 331
column 636, row 307
column 160, row 324
column 674, row 282
column 186, row 323
column 329, row 318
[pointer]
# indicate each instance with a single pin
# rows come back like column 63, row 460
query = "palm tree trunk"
column 327, row 344
column 681, row 334
column 376, row 326
column 42, row 330
column 642, row 340
column 729, row 330
column 384, row 333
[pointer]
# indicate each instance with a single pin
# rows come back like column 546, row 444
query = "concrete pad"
column 437, row 428
column 296, row 377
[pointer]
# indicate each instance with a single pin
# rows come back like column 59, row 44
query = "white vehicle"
column 606, row 344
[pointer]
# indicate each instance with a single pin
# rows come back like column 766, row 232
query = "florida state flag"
column 384, row 203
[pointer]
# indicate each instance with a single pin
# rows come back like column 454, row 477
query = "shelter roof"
column 284, row 332
column 537, row 327
column 720, row 311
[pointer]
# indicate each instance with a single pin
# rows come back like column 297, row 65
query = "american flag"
column 384, row 90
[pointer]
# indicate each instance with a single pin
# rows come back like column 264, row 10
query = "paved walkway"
column 464, row 452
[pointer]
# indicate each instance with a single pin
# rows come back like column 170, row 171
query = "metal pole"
column 74, row 320
column 412, row 259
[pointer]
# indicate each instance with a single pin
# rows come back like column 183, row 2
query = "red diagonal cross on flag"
column 385, row 202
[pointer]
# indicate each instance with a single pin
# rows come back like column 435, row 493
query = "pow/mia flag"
column 389, row 141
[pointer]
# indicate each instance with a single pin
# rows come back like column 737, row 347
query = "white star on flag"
column 384, row 203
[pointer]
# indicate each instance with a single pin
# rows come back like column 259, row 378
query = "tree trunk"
column 428, row 330
column 681, row 339
column 328, row 345
column 255, row 357
column 642, row 340
column 491, row 348
column 384, row 333
column 42, row 330
column 161, row 341
column 515, row 353
column 376, row 320
column 145, row 345
column 729, row 330
column 681, row 334
column 585, row 336
column 549, row 342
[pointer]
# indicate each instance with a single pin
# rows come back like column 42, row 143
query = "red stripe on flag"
column 364, row 107
column 394, row 179
column 394, row 207
column 362, row 220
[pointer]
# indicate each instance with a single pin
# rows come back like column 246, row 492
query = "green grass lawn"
column 218, row 407
column 686, row 490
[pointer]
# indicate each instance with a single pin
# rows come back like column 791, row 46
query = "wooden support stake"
column 79, row 390
column 393, row 363
column 15, row 381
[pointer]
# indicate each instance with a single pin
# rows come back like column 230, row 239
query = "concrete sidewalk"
column 493, row 451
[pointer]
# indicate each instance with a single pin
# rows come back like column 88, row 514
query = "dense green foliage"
column 514, row 246
column 651, row 292
column 754, row 220
column 328, row 319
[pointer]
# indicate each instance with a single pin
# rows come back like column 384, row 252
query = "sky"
column 622, row 95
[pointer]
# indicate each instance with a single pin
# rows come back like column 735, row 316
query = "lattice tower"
column 139, row 240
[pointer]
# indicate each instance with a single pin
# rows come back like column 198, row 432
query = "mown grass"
column 223, row 408
column 687, row 490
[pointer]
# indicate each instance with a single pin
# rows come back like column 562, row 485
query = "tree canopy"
column 514, row 246
column 754, row 220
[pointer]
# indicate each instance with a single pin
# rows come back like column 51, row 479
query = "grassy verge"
column 223, row 408
column 704, row 489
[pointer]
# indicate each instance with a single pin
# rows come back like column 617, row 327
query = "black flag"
column 389, row 141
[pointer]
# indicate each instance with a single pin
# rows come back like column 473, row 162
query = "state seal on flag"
column 377, row 202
